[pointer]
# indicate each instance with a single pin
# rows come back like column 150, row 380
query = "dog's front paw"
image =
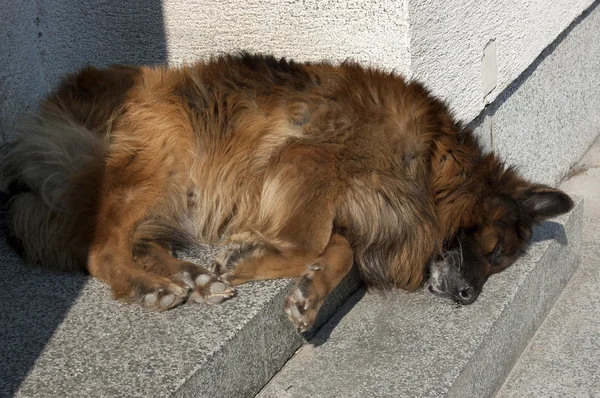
column 211, row 289
column 155, row 293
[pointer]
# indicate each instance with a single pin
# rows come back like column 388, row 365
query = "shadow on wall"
column 78, row 32
column 70, row 34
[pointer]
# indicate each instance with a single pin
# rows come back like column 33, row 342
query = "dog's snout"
column 466, row 295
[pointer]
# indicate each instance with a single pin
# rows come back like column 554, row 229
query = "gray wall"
column 21, row 75
column 41, row 40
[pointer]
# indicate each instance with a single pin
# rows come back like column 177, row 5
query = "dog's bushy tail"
column 54, row 168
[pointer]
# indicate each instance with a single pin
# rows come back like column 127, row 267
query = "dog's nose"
column 466, row 295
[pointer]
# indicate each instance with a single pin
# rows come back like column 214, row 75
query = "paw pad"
column 211, row 289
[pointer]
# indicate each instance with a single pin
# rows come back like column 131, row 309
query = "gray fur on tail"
column 45, row 218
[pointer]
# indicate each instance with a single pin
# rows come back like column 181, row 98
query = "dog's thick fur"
column 301, row 167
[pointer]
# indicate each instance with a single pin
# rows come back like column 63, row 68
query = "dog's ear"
column 541, row 202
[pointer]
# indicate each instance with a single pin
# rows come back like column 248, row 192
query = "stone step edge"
column 526, row 307
column 260, row 348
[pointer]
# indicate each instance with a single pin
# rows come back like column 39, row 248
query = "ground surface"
column 563, row 359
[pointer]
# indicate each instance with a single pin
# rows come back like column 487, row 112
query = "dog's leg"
column 110, row 257
column 207, row 286
column 247, row 261
column 294, row 222
column 294, row 232
column 317, row 274
column 318, row 281
column 138, row 180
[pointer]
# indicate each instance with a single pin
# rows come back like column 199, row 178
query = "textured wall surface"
column 371, row 32
column 447, row 39
column 79, row 32
column 21, row 76
column 41, row 40
column 552, row 115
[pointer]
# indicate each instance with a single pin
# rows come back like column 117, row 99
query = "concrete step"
column 563, row 357
column 411, row 345
column 61, row 335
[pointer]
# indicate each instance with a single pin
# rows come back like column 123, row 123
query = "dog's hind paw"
column 302, row 305
column 299, row 311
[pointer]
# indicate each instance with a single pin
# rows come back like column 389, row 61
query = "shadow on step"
column 549, row 230
column 33, row 304
column 324, row 332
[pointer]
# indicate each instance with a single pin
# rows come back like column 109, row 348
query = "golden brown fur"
column 295, row 164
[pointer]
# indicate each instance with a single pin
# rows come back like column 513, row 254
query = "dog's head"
column 500, row 226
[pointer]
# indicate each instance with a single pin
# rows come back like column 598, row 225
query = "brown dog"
column 300, row 168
